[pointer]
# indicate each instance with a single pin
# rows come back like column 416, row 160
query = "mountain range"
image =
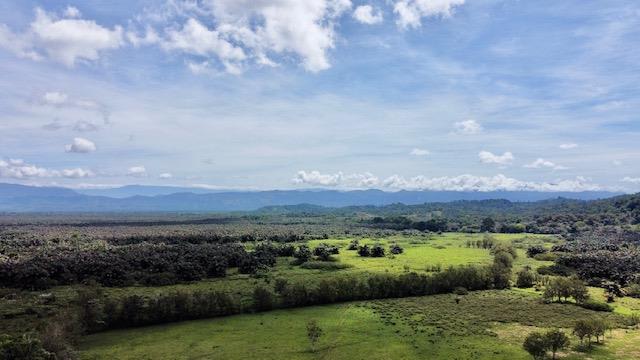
column 139, row 198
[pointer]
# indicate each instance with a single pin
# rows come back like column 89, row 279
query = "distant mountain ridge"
column 21, row 198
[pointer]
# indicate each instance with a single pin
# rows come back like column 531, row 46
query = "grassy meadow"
column 483, row 325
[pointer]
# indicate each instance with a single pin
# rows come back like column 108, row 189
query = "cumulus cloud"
column 366, row 14
column 81, row 146
column 487, row 157
column 542, row 163
column 77, row 173
column 137, row 171
column 446, row 183
column 482, row 183
column 65, row 39
column 165, row 176
column 631, row 180
column 568, row 146
column 18, row 169
column 419, row 152
column 467, row 127
column 315, row 178
column 411, row 12
column 234, row 33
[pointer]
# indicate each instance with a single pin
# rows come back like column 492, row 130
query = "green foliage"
column 525, row 279
column 24, row 347
column 314, row 332
column 263, row 299
column 536, row 345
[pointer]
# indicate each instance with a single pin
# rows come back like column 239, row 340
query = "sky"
column 286, row 94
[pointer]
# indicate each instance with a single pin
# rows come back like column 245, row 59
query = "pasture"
column 483, row 325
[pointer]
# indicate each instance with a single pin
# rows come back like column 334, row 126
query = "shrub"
column 364, row 251
column 262, row 299
column 24, row 347
column 353, row 245
column 324, row 265
column 460, row 290
column 596, row 306
column 532, row 251
column 395, row 249
column 536, row 345
column 377, row 251
column 526, row 279
column 303, row 254
column 280, row 285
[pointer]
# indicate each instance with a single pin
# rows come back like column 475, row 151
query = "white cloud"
column 18, row 169
column 238, row 32
column 77, row 173
column 617, row 162
column 542, row 163
column 65, row 40
column 72, row 12
column 165, row 176
column 80, row 145
column 366, row 14
column 18, row 44
column 631, row 180
column 490, row 158
column 137, row 171
column 419, row 152
column 446, row 183
column 467, row 127
column 568, row 146
column 411, row 12
column 315, row 178
column 55, row 98
column 482, row 183
column 196, row 39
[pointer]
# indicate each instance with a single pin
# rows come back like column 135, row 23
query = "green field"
column 484, row 325
column 421, row 254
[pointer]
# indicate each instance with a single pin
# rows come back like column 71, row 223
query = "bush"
column 548, row 256
column 377, row 251
column 596, row 306
column 303, row 254
column 526, row 279
column 532, row 251
column 324, row 265
column 555, row 269
column 262, row 299
column 24, row 347
column 395, row 249
column 364, row 251
column 460, row 291
column 353, row 245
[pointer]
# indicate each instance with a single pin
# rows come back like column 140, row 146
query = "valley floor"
column 483, row 325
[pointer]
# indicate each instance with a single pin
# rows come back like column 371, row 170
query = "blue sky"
column 394, row 94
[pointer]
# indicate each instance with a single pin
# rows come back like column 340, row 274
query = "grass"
column 21, row 309
column 484, row 325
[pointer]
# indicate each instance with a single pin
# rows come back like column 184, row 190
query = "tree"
column 583, row 329
column 262, row 299
column 488, row 225
column 303, row 254
column 395, row 249
column 314, row 332
column 525, row 279
column 536, row 345
column 377, row 251
column 556, row 340
column 364, row 251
